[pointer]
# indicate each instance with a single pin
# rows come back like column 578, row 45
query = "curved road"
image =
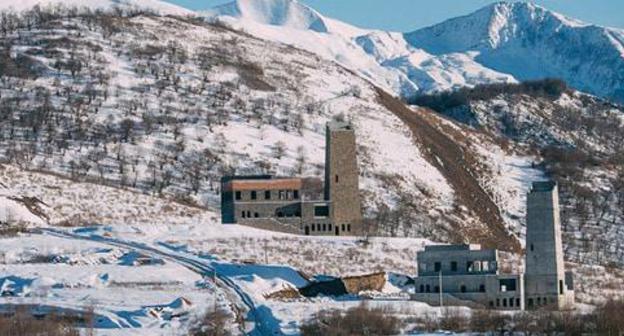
column 253, row 324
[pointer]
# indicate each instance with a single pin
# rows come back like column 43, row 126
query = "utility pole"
column 266, row 256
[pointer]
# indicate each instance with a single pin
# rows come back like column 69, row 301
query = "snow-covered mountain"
column 529, row 42
column 503, row 42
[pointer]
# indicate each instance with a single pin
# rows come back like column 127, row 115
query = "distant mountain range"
column 503, row 42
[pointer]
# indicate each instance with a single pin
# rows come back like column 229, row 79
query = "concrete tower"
column 342, row 178
column 546, row 282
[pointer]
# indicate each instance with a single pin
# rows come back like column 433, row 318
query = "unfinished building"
column 467, row 275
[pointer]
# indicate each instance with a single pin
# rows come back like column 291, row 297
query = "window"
column 561, row 287
column 530, row 302
column 511, row 302
column 462, row 289
column 313, row 227
column 330, row 226
column 238, row 195
column 453, row 266
column 507, row 285
column 296, row 194
column 282, row 195
column 482, row 288
column 505, row 302
column 336, row 178
column 249, row 214
column 428, row 289
column 437, row 266
column 324, row 227
column 531, row 247
column 254, row 195
column 256, row 214
column 497, row 302
column 539, row 301
column 298, row 213
column 280, row 214
column 243, row 214
column 343, row 227
column 436, row 289
column 469, row 266
column 349, row 227
column 267, row 194
column 422, row 288
column 517, row 302
column 321, row 211
column 491, row 303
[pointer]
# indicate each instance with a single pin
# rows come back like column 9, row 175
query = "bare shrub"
column 608, row 320
column 360, row 320
column 22, row 323
column 213, row 323
column 453, row 320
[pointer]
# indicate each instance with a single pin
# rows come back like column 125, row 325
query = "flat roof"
column 543, row 186
column 457, row 247
column 268, row 184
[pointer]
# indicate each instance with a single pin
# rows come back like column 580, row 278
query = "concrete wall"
column 545, row 273
column 479, row 260
column 486, row 290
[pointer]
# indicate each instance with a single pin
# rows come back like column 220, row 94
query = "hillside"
column 577, row 140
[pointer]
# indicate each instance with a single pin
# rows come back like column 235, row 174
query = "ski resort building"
column 301, row 205
column 467, row 275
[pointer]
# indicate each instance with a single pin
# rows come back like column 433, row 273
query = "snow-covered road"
column 255, row 321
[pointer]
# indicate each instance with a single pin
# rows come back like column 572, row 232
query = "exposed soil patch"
column 459, row 168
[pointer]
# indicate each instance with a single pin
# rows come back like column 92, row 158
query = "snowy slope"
column 161, row 7
column 529, row 42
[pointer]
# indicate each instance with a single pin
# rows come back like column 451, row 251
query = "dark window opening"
column 254, row 195
column 267, row 194
column 243, row 214
column 296, row 194
column 256, row 214
column 349, row 227
column 530, row 302
column 453, row 266
column 428, row 289
column 505, row 302
column 462, row 289
column 436, row 289
column 343, row 227
column 531, row 247
column 238, row 195
column 336, row 178
column 422, row 288
column 307, row 230
column 248, row 214
column 539, row 301
column 511, row 302
column 561, row 287
column 517, row 302
column 507, row 285
column 313, row 227
column 297, row 213
column 491, row 303
column 482, row 288
column 329, row 226
column 437, row 266
column 321, row 211
column 280, row 214
column 497, row 302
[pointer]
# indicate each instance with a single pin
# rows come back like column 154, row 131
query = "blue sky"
column 406, row 15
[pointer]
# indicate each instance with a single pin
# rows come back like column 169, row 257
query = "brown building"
column 301, row 205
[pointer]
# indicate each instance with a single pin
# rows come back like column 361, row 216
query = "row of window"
column 471, row 266
column 321, row 227
column 436, row 289
column 540, row 301
column 247, row 214
column 281, row 194
column 511, row 302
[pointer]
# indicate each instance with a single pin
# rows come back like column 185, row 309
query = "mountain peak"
column 286, row 13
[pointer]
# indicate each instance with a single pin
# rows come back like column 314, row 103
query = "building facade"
column 469, row 276
column 301, row 205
